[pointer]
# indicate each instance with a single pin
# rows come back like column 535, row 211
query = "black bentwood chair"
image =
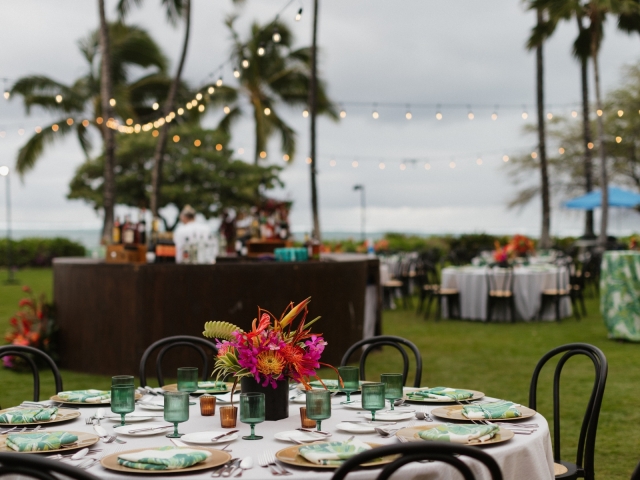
column 195, row 343
column 584, row 467
column 28, row 354
column 391, row 341
column 414, row 452
column 32, row 466
column 636, row 473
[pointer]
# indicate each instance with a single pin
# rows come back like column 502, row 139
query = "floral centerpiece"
column 503, row 256
column 274, row 351
column 522, row 245
column 634, row 242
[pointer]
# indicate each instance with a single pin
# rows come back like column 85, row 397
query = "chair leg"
column 456, row 303
column 438, row 307
column 512, row 309
column 421, row 301
column 489, row 309
column 427, row 311
column 542, row 305
column 574, row 307
column 557, row 299
column 584, row 308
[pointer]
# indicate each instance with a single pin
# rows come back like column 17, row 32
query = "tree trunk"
column 158, row 157
column 313, row 106
column 545, row 239
column 586, row 136
column 108, row 136
column 604, row 183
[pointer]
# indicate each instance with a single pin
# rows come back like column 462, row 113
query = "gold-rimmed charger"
column 290, row 456
column 84, row 440
column 217, row 458
column 454, row 412
column 411, row 434
column 173, row 387
column 476, row 396
column 56, row 398
column 63, row 415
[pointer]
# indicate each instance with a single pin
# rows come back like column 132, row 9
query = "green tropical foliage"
column 220, row 330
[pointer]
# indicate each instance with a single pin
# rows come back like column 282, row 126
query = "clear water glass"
column 373, row 397
column 252, row 412
column 187, row 379
column 392, row 387
column 176, row 410
column 122, row 400
column 318, row 406
column 351, row 381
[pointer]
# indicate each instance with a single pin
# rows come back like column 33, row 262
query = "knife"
column 100, row 431
column 224, row 467
column 150, row 428
column 218, row 437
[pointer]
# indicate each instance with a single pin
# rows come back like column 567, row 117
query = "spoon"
column 385, row 433
column 245, row 464
column 424, row 416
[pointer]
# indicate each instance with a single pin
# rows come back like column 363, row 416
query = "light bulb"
column 38, row 130
column 180, row 111
column 427, row 166
column 263, row 154
column 245, row 63
column 470, row 115
column 129, row 121
column 54, row 127
column 240, row 151
column 199, row 96
column 176, row 138
column 226, row 109
column 285, row 157
column 85, row 123
column 267, row 111
column 194, row 102
column 549, row 115
column 354, row 164
column 452, row 165
column 343, row 114
column 375, row 115
column 534, row 154
column 155, row 106
column 620, row 113
column 69, row 121
column 618, row 139
column 59, row 98
column 197, row 142
column 299, row 15
column 505, row 158
column 276, row 36
column 590, row 145
column 112, row 102
column 479, row 161
column 408, row 116
column 201, row 108
column 219, row 82
column 381, row 166
column 438, row 116
column 210, row 90
column 189, row 106
column 525, row 115
column 332, row 163
column 7, row 94
column 403, row 167
column 261, row 50
column 308, row 160
column 574, row 114
column 4, row 170
column 599, row 112
column 21, row 131
column 561, row 151
column 236, row 73
column 305, row 113
column 219, row 147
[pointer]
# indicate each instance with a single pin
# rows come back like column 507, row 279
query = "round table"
column 528, row 284
column 525, row 457
column 620, row 294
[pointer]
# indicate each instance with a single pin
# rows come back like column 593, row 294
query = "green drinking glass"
column 122, row 380
column 392, row 387
column 122, row 400
column 252, row 412
column 187, row 379
column 176, row 410
column 351, row 381
column 318, row 406
column 373, row 398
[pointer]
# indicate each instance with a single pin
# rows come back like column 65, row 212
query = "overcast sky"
column 419, row 52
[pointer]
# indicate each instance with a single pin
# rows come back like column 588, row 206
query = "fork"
column 262, row 461
column 87, row 464
column 271, row 460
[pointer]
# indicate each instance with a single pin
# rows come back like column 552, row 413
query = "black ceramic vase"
column 276, row 400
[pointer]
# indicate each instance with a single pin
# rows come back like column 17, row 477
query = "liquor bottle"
column 116, row 235
column 186, row 251
column 308, row 245
column 142, row 228
column 128, row 233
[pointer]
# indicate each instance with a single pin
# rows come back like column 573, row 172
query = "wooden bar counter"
column 109, row 314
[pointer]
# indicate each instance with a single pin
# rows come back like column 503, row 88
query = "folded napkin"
column 38, row 442
column 86, row 396
column 163, row 458
column 456, row 433
column 441, row 393
column 332, row 453
column 217, row 386
column 492, row 410
column 29, row 415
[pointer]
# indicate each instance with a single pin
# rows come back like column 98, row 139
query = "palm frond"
column 84, row 139
column 32, row 150
column 287, row 134
column 229, row 119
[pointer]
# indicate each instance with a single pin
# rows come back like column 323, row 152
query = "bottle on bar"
column 128, row 233
column 142, row 228
column 116, row 235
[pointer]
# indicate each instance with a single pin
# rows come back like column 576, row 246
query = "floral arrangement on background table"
column 522, row 245
column 274, row 351
column 518, row 247
column 634, row 242
column 31, row 326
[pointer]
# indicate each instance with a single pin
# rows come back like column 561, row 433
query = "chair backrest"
column 500, row 279
column 413, row 452
column 588, row 430
column 195, row 343
column 391, row 341
column 27, row 354
column 636, row 473
column 33, row 466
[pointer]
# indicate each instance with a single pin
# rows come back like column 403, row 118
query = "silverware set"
column 268, row 460
column 21, row 429
column 422, row 414
column 517, row 428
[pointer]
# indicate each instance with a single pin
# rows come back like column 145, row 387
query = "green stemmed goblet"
column 187, row 379
column 392, row 387
column 373, row 398
column 176, row 410
column 122, row 380
column 351, row 381
column 122, row 400
column 318, row 406
column 252, row 412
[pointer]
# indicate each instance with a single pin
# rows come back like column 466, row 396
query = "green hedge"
column 39, row 252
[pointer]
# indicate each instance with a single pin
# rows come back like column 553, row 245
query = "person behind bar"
column 187, row 233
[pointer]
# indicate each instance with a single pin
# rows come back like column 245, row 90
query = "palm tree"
column 270, row 72
column 313, row 103
column 175, row 9
column 82, row 103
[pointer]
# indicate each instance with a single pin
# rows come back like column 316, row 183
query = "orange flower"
column 270, row 362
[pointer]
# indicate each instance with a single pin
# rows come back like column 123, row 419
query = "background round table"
column 528, row 284
column 620, row 294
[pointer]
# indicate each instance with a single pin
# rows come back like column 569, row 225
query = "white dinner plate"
column 302, row 398
column 129, row 418
column 226, row 397
column 127, row 428
column 150, row 406
column 300, row 436
column 204, row 438
column 356, row 427
column 390, row 416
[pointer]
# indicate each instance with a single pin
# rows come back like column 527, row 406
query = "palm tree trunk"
column 158, row 158
column 604, row 183
column 545, row 240
column 108, row 137
column 313, row 104
column 586, row 136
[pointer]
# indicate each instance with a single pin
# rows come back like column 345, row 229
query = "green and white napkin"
column 332, row 453
column 492, row 410
column 86, row 396
column 212, row 386
column 457, row 433
column 163, row 458
column 39, row 442
column 29, row 415
column 441, row 393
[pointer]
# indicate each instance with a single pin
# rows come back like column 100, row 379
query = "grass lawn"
column 497, row 359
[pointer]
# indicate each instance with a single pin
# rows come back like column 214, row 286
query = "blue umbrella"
column 617, row 198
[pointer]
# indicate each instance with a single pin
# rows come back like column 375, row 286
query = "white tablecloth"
column 525, row 457
column 529, row 282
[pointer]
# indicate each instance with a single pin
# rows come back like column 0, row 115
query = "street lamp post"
column 4, row 171
column 363, row 210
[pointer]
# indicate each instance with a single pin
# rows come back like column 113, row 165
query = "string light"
column 505, row 158
column 176, row 138
column 155, row 106
column 112, row 102
column 38, row 129
column 305, row 113
column 219, row 148
column 561, row 151
column 574, row 114
column 549, row 115
column 534, row 155
column 618, row 139
column 452, row 165
column 261, row 50
column 343, row 113
column 240, row 151
column 427, row 166
column 438, row 116
column 285, row 157
column 620, row 113
column 408, row 115
column 332, row 163
column 21, row 131
column 219, row 82
column 7, row 94
column 470, row 115
column 525, row 115
column 189, row 106
column 129, row 121
column 494, row 115
column 54, row 127
column 267, row 111
column 59, row 98
column 210, row 90
column 245, row 64
column 155, row 133
column 590, row 145
column 263, row 154
column 599, row 112
column 276, row 36
column 354, row 164
column 236, row 73
column 197, row 142
column 479, row 161
column 180, row 111
column 99, row 120
column 299, row 15
column 201, row 108
column 226, row 109
column 375, row 113
column 69, row 121
column 381, row 166
column 199, row 96
column 308, row 160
